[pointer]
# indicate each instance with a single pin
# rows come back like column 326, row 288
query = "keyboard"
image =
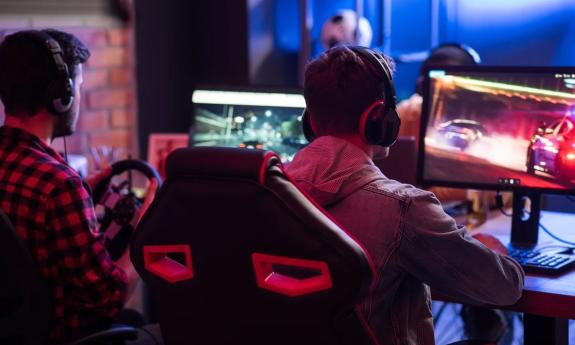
column 534, row 261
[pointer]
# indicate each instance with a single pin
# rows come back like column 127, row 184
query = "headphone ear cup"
column 381, row 126
column 390, row 128
column 371, row 124
column 306, row 126
column 60, row 96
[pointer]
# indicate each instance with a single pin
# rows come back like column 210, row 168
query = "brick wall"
column 107, row 110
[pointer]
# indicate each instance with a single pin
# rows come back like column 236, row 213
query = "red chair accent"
column 157, row 261
column 269, row 279
column 269, row 267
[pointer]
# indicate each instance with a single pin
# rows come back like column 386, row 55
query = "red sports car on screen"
column 552, row 149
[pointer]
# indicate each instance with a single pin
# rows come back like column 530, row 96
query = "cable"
column 150, row 335
column 544, row 248
column 502, row 210
column 499, row 204
column 437, row 315
column 65, row 150
column 554, row 236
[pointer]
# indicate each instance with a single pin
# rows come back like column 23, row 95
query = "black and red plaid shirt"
column 53, row 213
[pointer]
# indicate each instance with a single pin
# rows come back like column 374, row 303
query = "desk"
column 547, row 302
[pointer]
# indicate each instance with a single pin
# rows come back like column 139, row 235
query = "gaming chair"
column 25, row 303
column 235, row 253
column 24, row 299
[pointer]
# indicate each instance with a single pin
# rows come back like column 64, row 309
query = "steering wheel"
column 121, row 205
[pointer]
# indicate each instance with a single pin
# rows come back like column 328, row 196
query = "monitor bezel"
column 421, row 180
column 235, row 88
column 246, row 88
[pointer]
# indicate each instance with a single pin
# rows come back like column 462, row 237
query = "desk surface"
column 542, row 295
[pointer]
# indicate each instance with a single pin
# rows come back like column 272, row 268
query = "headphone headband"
column 385, row 74
column 474, row 57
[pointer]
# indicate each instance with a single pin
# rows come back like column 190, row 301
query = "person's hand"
column 492, row 243
column 104, row 156
column 94, row 179
column 150, row 194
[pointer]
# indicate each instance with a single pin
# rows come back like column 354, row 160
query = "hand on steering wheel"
column 122, row 208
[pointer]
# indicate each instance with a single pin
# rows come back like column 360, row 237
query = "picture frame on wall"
column 159, row 147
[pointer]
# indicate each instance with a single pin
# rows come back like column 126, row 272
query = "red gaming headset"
column 379, row 123
column 59, row 95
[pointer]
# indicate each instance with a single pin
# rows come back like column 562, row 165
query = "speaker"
column 379, row 123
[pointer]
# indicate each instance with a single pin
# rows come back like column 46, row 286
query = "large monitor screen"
column 500, row 128
column 252, row 120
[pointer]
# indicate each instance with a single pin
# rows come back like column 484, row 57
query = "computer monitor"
column 500, row 128
column 248, row 118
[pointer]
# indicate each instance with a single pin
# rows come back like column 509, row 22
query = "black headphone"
column 474, row 58
column 59, row 95
column 379, row 123
column 442, row 52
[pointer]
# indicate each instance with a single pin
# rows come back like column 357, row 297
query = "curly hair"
column 338, row 86
column 27, row 68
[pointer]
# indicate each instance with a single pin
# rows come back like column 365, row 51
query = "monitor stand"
column 525, row 221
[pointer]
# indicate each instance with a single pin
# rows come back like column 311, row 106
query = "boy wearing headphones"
column 351, row 119
column 45, row 199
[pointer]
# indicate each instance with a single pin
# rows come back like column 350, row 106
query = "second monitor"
column 260, row 119
column 502, row 128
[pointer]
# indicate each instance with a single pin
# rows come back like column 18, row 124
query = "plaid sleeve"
column 96, row 282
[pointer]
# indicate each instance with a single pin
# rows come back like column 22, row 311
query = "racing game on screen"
column 512, row 128
column 250, row 120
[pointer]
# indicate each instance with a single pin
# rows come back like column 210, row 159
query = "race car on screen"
column 552, row 149
column 460, row 133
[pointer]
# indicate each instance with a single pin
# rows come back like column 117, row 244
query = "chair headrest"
column 221, row 162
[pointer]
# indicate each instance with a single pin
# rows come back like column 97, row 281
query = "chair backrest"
column 235, row 254
column 25, row 307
